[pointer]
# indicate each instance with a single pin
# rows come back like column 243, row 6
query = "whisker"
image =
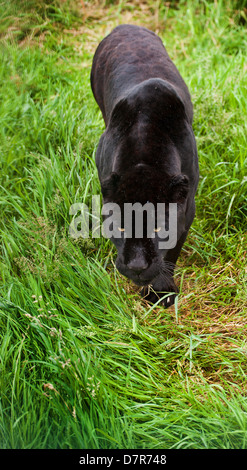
column 167, row 268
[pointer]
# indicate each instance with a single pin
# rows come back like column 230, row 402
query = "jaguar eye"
column 157, row 229
column 121, row 229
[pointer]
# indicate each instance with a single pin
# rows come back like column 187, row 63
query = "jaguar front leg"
column 162, row 288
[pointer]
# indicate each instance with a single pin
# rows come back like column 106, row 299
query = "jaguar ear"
column 109, row 185
column 178, row 189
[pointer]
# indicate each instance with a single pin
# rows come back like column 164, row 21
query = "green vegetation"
column 84, row 361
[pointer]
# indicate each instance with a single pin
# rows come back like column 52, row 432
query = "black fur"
column 148, row 150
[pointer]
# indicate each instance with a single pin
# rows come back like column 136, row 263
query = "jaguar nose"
column 137, row 265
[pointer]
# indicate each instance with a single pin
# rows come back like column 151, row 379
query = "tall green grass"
column 85, row 363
